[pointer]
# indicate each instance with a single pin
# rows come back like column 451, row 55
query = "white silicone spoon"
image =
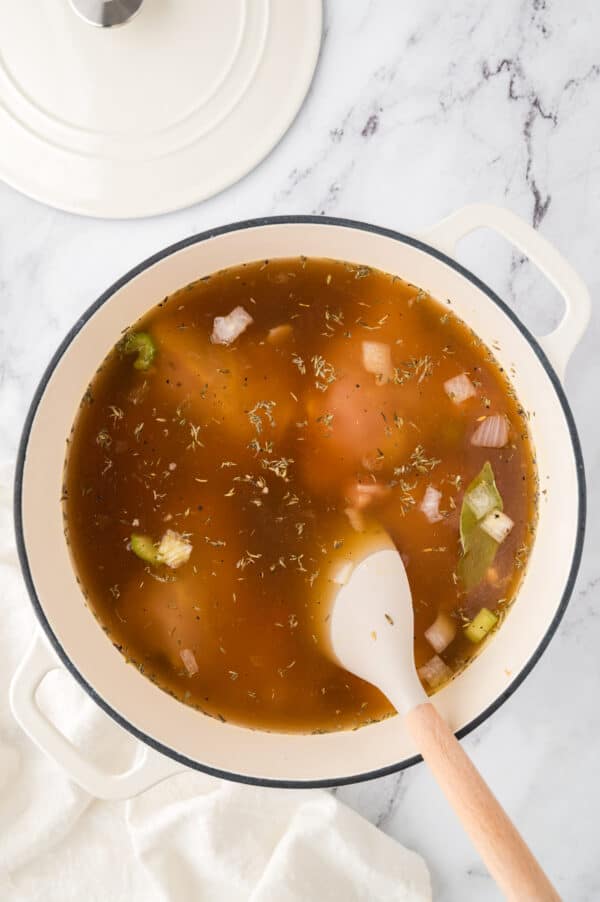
column 372, row 636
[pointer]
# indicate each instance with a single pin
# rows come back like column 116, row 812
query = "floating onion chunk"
column 430, row 505
column 497, row 525
column 441, row 632
column 435, row 672
column 377, row 359
column 189, row 660
column 227, row 328
column 174, row 550
column 491, row 433
column 459, row 388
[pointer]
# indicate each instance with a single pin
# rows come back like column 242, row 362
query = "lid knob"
column 106, row 13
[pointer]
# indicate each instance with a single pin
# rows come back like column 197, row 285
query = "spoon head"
column 372, row 628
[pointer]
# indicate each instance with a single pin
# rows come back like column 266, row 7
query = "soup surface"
column 243, row 445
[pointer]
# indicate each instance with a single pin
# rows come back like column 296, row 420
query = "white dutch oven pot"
column 184, row 736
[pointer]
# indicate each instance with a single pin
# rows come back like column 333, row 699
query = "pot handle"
column 150, row 769
column 559, row 344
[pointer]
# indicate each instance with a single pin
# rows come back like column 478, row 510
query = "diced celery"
column 141, row 344
column 145, row 548
column 480, row 625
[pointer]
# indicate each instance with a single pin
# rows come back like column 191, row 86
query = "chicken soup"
column 245, row 443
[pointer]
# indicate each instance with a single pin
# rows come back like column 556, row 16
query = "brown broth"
column 261, row 491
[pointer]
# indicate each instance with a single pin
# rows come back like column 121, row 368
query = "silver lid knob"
column 106, row 13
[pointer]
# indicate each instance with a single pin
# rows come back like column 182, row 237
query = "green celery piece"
column 144, row 548
column 140, row 344
column 479, row 548
column 482, row 624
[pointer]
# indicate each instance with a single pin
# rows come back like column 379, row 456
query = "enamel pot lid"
column 173, row 105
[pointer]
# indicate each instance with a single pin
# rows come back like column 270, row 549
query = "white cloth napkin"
column 190, row 838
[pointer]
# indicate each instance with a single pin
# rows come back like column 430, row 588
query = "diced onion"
column 173, row 550
column 377, row 359
column 341, row 572
column 491, row 433
column 435, row 672
column 189, row 660
column 430, row 505
column 441, row 632
column 227, row 328
column 482, row 499
column 278, row 334
column 497, row 525
column 459, row 388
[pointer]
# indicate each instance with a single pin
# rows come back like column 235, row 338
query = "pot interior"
column 255, row 755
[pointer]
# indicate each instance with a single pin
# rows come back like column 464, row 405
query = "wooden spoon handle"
column 508, row 858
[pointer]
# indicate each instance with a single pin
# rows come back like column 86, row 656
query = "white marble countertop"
column 415, row 110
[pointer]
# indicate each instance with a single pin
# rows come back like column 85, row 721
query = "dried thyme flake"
column 521, row 556
column 326, row 419
column 298, row 559
column 283, row 670
column 418, row 463
column 334, row 315
column 298, row 361
column 103, row 439
column 418, row 368
column 279, row 466
column 406, row 498
column 195, row 442
column 116, row 414
column 255, row 415
column 256, row 446
column 246, row 559
column 365, row 325
column 324, row 372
